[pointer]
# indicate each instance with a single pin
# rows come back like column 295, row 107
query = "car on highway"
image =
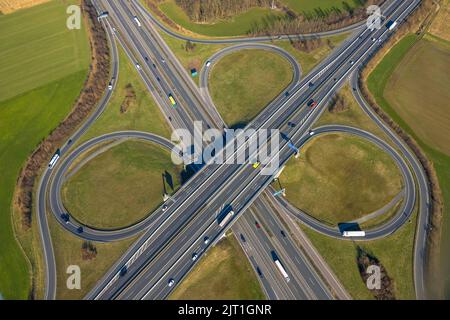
column 172, row 100
column 171, row 283
column 208, row 63
column 194, row 257
column 283, row 233
column 138, row 66
column 258, row 270
column 256, row 165
column 243, row 238
column 206, row 240
column 164, row 208
column 123, row 271
column 311, row 133
column 312, row 103
column 163, row 60
column 257, row 225
column 373, row 39
column 65, row 217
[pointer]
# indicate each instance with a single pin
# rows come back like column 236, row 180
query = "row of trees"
column 289, row 23
column 209, row 10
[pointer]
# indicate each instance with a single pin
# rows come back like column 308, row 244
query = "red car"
column 312, row 103
column 257, row 225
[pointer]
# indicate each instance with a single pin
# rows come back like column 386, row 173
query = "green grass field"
column 395, row 252
column 244, row 82
column 132, row 186
column 350, row 176
column 316, row 8
column 238, row 25
column 37, row 48
column 68, row 251
column 28, row 117
column 377, row 82
column 223, row 274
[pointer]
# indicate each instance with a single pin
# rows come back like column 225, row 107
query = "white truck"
column 391, row 25
column 54, row 159
column 352, row 234
column 282, row 270
column 226, row 218
column 137, row 21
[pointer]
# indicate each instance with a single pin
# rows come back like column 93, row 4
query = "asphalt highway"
column 239, row 185
column 293, row 62
column 172, row 238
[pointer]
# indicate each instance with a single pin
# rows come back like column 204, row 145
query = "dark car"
column 283, row 233
column 242, row 238
column 80, row 229
column 258, row 270
column 123, row 271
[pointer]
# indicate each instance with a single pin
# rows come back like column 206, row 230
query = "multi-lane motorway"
column 171, row 238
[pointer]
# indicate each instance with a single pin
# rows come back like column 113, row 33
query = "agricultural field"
column 223, row 274
column 351, row 177
column 425, row 117
column 134, row 176
column 37, row 48
column 244, row 82
column 37, row 90
column 9, row 6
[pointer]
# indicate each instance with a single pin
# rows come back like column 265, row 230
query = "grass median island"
column 425, row 117
column 351, row 177
column 121, row 186
column 223, row 274
column 243, row 83
column 37, row 90
column 238, row 25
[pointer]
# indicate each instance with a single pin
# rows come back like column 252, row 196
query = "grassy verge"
column 142, row 114
column 195, row 57
column 134, row 175
column 29, row 116
column 68, row 252
column 359, row 179
column 223, row 274
column 377, row 83
column 244, row 82
column 308, row 60
column 395, row 253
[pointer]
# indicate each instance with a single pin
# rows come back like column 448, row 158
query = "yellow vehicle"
column 172, row 101
column 256, row 165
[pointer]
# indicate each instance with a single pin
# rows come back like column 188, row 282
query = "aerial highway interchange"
column 179, row 233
